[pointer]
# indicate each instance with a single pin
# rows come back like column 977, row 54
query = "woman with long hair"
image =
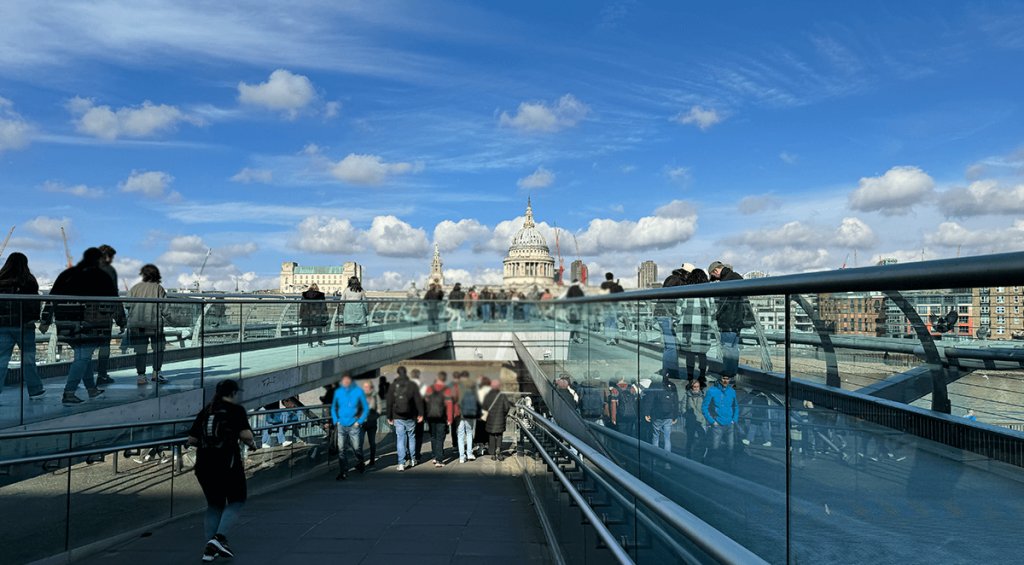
column 145, row 323
column 18, row 322
column 695, row 316
column 354, row 312
column 313, row 314
column 217, row 429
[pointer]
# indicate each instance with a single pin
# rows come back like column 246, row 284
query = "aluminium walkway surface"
column 474, row 512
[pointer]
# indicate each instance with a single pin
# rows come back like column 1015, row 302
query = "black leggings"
column 494, row 444
column 691, row 363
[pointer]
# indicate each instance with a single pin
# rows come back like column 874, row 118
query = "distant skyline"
column 777, row 137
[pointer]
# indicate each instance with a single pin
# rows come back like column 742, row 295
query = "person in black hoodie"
column 103, row 357
column 313, row 312
column 81, row 324
column 660, row 407
column 404, row 408
column 433, row 299
column 457, row 306
column 17, row 322
column 730, row 316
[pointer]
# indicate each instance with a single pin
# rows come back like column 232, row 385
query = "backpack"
column 470, row 405
column 591, row 403
column 435, row 405
column 627, row 404
column 574, row 292
column 216, row 433
column 403, row 398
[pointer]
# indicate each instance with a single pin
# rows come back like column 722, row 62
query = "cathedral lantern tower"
column 529, row 262
column 435, row 270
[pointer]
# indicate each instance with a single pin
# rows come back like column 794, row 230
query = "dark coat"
column 13, row 314
column 313, row 310
column 456, row 299
column 496, row 416
column 77, row 319
column 733, row 312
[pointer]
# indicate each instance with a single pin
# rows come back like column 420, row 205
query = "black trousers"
column 494, row 444
column 438, row 431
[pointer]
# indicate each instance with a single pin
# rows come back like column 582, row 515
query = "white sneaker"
column 286, row 444
column 462, row 459
column 401, row 467
column 746, row 442
column 471, row 457
column 412, row 463
column 767, row 444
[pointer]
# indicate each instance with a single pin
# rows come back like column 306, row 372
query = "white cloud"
column 626, row 169
column 479, row 277
column 852, row 232
column 332, row 109
column 392, row 237
column 617, row 208
column 539, row 179
column 982, row 197
column 15, row 132
column 791, row 260
column 330, row 236
column 283, row 91
column 671, row 225
column 388, row 280
column 676, row 209
column 758, row 203
column 369, row 169
column 49, row 227
column 128, row 270
column 152, row 184
column 952, row 234
column 220, row 272
column 76, row 190
column 976, row 171
column 893, row 194
column 699, row 117
column 789, row 158
column 449, row 235
column 248, row 175
column 678, row 175
column 538, row 116
column 501, row 236
column 142, row 121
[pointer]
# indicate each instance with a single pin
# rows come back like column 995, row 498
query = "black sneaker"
column 104, row 380
column 220, row 543
column 341, row 476
column 210, row 554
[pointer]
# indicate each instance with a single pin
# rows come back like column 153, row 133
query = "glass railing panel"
column 269, row 337
column 221, row 335
column 34, row 503
column 103, row 501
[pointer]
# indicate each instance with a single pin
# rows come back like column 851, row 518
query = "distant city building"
column 853, row 313
column 999, row 312
column 529, row 262
column 887, row 261
column 937, row 302
column 647, row 276
column 436, row 276
column 329, row 279
column 578, row 272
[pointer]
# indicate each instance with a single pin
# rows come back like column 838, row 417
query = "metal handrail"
column 602, row 530
column 713, row 542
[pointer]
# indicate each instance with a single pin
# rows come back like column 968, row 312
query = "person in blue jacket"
column 721, row 409
column 348, row 411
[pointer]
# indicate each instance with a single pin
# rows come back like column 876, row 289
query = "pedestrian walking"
column 18, row 323
column 456, row 307
column 732, row 316
column 694, row 334
column 348, row 411
column 103, row 334
column 370, row 425
column 721, row 410
column 313, row 314
column 498, row 407
column 146, row 324
column 439, row 404
column 661, row 409
column 355, row 312
column 404, row 409
column 623, row 407
column 81, row 324
column 216, row 431
column 468, row 404
column 694, row 422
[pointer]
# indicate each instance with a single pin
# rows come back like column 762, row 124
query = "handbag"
column 484, row 414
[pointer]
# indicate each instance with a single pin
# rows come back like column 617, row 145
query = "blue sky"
column 778, row 137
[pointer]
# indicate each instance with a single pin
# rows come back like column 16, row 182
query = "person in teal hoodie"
column 349, row 410
column 721, row 409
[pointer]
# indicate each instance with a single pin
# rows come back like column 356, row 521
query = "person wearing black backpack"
column 219, row 469
column 467, row 405
column 624, row 408
column 661, row 408
column 439, row 404
column 404, row 410
column 592, row 402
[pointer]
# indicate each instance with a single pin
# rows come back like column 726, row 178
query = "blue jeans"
column 486, row 309
column 730, row 353
column 25, row 338
column 670, row 356
column 526, row 312
column 662, row 429
column 466, row 437
column 405, row 432
column 611, row 325
column 81, row 368
column 350, row 438
column 719, row 433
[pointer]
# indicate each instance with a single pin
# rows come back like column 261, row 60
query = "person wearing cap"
column 730, row 317
column 217, row 429
column 720, row 409
column 354, row 313
column 660, row 408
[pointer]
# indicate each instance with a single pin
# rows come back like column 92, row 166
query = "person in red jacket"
column 439, row 405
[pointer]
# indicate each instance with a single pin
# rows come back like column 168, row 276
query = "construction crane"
column 844, row 261
column 957, row 249
column 561, row 264
column 583, row 268
column 199, row 277
column 6, row 239
column 67, row 252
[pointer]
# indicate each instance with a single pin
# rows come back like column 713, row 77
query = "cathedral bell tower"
column 435, row 269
